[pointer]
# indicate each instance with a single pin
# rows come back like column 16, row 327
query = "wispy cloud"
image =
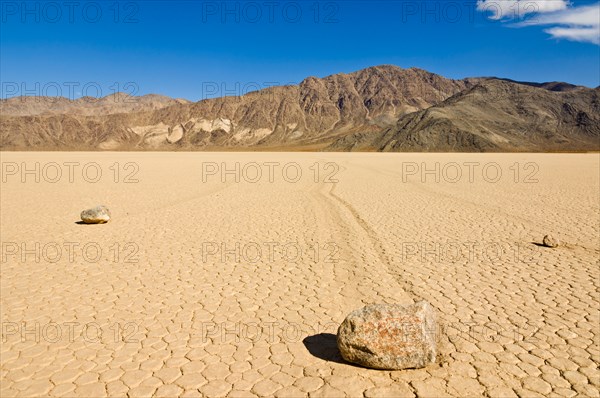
column 564, row 20
column 577, row 23
column 512, row 9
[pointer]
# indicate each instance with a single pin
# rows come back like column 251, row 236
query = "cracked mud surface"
column 170, row 308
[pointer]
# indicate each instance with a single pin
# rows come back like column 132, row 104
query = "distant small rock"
column 550, row 241
column 387, row 336
column 96, row 215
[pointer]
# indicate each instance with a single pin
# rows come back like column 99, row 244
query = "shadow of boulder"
column 324, row 346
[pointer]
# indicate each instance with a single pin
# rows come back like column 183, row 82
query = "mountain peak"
column 382, row 107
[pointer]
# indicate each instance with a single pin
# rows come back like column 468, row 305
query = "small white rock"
column 550, row 241
column 97, row 215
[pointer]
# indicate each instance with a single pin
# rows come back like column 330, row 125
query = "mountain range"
column 382, row 108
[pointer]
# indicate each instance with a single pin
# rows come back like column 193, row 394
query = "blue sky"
column 203, row 49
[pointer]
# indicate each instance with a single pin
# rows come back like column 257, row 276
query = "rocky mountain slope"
column 495, row 115
column 85, row 106
column 384, row 108
column 314, row 112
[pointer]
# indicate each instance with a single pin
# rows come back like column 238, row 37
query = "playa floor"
column 227, row 274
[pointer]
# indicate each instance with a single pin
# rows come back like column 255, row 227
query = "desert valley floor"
column 227, row 274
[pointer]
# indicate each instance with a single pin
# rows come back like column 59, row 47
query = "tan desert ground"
column 227, row 274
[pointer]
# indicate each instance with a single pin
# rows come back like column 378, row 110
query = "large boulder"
column 96, row 215
column 387, row 336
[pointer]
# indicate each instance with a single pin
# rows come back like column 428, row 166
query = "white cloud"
column 511, row 9
column 590, row 35
column 565, row 21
